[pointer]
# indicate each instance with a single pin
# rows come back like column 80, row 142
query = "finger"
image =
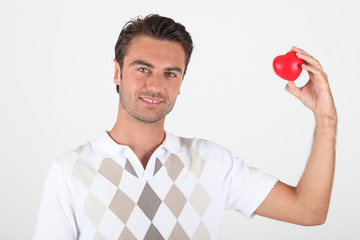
column 310, row 60
column 319, row 74
column 312, row 69
column 296, row 49
column 300, row 53
column 293, row 89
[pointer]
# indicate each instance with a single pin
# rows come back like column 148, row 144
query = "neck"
column 142, row 138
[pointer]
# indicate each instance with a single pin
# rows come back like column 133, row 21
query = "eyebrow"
column 176, row 69
column 141, row 62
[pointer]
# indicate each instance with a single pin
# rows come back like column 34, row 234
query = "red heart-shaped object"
column 288, row 66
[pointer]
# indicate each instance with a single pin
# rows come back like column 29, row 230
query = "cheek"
column 131, row 82
column 175, row 89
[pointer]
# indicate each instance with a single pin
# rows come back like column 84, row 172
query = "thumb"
column 293, row 89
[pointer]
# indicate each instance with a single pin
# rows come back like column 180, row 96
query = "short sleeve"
column 246, row 187
column 56, row 219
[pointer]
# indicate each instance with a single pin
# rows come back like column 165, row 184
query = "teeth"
column 150, row 101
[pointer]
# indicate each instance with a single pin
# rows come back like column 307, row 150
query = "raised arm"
column 308, row 202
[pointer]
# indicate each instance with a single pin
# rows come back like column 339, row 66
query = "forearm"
column 314, row 188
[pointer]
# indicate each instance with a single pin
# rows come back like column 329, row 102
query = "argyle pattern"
column 123, row 206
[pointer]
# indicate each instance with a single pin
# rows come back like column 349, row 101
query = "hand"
column 315, row 94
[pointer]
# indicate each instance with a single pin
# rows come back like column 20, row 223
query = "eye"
column 144, row 70
column 170, row 74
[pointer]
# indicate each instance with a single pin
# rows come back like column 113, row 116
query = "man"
column 139, row 182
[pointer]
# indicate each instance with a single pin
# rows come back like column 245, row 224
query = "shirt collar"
column 105, row 146
column 171, row 143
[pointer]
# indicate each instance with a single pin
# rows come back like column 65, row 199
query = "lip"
column 151, row 101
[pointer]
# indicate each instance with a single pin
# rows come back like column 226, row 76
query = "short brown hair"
column 155, row 26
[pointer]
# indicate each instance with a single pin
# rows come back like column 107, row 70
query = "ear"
column 117, row 72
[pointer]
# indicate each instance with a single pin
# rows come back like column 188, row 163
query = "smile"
column 149, row 101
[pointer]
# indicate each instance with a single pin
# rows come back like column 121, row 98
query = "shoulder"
column 203, row 146
column 211, row 152
column 68, row 160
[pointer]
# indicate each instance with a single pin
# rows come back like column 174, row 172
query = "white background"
column 57, row 92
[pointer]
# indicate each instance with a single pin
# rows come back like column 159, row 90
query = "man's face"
column 151, row 78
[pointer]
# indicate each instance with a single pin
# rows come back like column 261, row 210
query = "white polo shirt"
column 101, row 191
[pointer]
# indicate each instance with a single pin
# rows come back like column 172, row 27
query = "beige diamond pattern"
column 200, row 199
column 201, row 232
column 122, row 206
column 174, row 166
column 84, row 173
column 196, row 163
column 175, row 201
column 126, row 235
column 111, row 171
column 99, row 236
column 79, row 149
column 94, row 209
column 178, row 233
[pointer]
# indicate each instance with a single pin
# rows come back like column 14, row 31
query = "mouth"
column 150, row 100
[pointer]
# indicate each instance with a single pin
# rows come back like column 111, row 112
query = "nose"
column 154, row 82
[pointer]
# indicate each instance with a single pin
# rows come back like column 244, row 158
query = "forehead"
column 155, row 51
